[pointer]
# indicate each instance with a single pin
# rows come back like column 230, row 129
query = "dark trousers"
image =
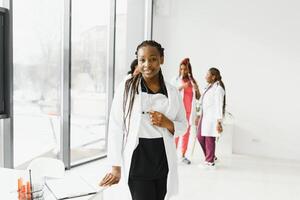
column 208, row 144
column 148, row 189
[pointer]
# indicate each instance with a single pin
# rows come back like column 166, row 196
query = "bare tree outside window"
column 37, row 62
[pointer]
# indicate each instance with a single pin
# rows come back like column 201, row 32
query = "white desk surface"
column 9, row 185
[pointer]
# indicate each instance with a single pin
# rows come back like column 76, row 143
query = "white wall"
column 256, row 46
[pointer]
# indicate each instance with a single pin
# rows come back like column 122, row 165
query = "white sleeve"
column 180, row 122
column 115, row 128
column 219, row 99
column 175, row 83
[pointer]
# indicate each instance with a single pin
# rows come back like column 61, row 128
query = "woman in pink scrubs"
column 189, row 90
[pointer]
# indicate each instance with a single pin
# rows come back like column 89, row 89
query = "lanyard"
column 206, row 91
column 201, row 102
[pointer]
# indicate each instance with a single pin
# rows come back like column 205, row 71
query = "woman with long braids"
column 145, row 116
column 212, row 111
column 190, row 93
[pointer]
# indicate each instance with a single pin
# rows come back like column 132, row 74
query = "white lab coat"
column 177, row 82
column 211, row 109
column 175, row 112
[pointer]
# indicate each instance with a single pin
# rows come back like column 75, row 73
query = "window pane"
column 37, row 62
column 90, row 20
column 121, row 45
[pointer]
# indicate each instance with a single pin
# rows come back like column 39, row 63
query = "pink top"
column 188, row 97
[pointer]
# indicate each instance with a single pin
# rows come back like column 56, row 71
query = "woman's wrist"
column 170, row 126
column 116, row 168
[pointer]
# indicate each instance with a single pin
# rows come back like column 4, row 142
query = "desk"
column 9, row 184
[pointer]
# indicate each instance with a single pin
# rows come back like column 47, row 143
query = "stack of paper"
column 70, row 186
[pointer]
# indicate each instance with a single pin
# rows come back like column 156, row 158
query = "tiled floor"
column 235, row 177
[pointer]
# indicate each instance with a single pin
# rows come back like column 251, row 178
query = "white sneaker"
column 207, row 165
column 210, row 165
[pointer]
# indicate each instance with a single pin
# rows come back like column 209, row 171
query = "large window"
column 121, row 67
column 40, row 32
column 37, row 64
column 90, row 20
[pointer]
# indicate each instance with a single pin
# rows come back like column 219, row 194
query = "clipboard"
column 70, row 187
column 98, row 195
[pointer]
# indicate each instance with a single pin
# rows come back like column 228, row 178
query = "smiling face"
column 149, row 61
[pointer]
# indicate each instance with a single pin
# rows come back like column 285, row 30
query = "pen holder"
column 37, row 192
column 30, row 192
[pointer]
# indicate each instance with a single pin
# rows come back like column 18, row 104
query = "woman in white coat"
column 212, row 111
column 145, row 116
column 190, row 93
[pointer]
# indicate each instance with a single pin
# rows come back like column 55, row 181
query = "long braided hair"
column 132, row 86
column 215, row 72
column 186, row 62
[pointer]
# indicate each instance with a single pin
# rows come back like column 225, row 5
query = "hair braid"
column 215, row 72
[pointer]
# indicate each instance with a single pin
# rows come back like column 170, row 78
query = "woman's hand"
column 219, row 127
column 159, row 119
column 184, row 85
column 111, row 178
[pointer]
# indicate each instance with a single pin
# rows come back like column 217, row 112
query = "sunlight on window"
column 37, row 63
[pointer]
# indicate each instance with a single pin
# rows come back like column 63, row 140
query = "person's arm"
column 115, row 139
column 183, row 86
column 196, row 88
column 197, row 91
column 159, row 119
column 219, row 98
column 178, row 84
column 180, row 122
column 176, row 127
column 219, row 127
column 111, row 178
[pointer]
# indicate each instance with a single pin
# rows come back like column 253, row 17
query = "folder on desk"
column 71, row 186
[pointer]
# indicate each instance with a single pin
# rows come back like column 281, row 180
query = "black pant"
column 148, row 189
